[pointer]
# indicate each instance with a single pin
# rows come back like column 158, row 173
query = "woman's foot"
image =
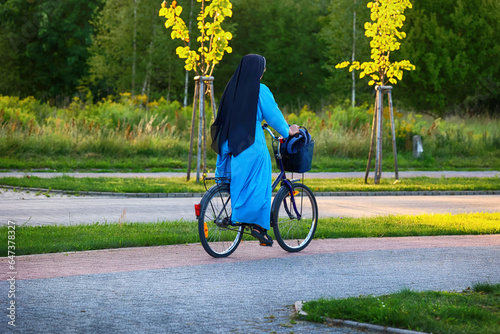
column 261, row 234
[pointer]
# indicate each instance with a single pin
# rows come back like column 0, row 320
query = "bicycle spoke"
column 220, row 239
column 294, row 234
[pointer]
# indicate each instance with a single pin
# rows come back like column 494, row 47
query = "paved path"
column 25, row 207
column 30, row 209
column 180, row 289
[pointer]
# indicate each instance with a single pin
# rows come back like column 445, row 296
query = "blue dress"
column 250, row 172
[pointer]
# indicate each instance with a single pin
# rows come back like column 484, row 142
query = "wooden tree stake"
column 377, row 129
column 201, row 89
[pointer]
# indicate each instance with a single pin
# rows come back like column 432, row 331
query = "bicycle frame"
column 282, row 175
column 281, row 178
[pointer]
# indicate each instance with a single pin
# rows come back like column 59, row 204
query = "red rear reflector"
column 282, row 140
column 197, row 209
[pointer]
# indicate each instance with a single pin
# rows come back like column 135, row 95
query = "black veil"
column 237, row 113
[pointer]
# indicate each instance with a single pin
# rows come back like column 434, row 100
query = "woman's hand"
column 294, row 129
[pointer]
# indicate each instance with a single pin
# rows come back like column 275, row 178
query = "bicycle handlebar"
column 265, row 126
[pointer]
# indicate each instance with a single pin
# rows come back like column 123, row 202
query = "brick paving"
column 42, row 266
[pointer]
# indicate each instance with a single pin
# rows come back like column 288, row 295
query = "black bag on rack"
column 297, row 152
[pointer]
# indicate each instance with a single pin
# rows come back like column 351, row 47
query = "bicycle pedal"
column 266, row 245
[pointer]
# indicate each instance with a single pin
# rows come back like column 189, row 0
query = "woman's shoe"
column 261, row 234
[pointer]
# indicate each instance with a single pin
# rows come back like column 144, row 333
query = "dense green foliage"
column 44, row 47
column 133, row 53
column 56, row 50
column 285, row 32
column 453, row 44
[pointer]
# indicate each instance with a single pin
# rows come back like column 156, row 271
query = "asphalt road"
column 31, row 209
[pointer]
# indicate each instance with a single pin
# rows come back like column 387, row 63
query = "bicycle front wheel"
column 294, row 232
column 218, row 237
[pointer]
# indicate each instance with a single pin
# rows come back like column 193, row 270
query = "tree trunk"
column 186, row 82
column 134, row 48
column 393, row 133
column 353, row 98
column 193, row 123
column 169, row 80
column 149, row 67
column 145, row 84
column 372, row 140
column 380, row 118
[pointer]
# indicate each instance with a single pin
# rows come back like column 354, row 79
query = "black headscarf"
column 237, row 113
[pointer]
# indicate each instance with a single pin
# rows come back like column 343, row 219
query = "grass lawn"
column 473, row 311
column 174, row 185
column 36, row 159
column 52, row 239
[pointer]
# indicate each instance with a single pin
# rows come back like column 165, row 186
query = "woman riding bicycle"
column 239, row 141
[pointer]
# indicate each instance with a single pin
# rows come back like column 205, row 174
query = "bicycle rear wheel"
column 218, row 237
column 293, row 233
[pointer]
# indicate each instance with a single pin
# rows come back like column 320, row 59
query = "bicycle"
column 294, row 213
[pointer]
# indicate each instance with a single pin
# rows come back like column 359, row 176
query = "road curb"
column 409, row 193
column 103, row 193
column 317, row 194
column 356, row 325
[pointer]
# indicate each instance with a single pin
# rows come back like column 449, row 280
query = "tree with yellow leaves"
column 213, row 43
column 213, row 40
column 388, row 17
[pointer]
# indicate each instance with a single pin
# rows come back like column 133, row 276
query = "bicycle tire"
column 291, row 233
column 218, row 237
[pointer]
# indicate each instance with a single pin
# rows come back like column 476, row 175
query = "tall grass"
column 345, row 132
column 125, row 130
